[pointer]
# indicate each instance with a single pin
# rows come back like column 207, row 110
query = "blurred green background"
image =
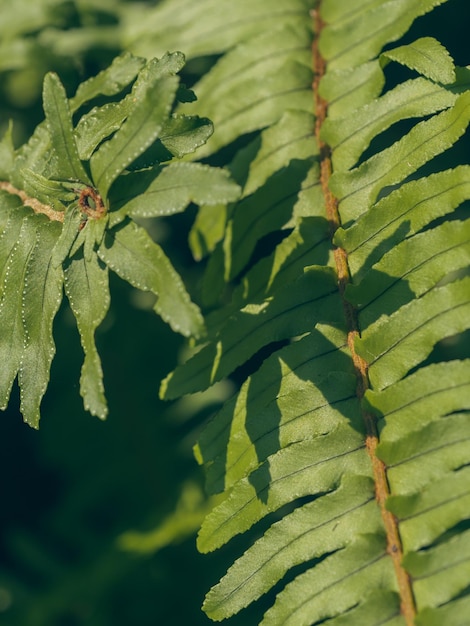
column 98, row 519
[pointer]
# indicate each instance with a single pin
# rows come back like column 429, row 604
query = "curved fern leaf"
column 166, row 190
column 393, row 347
column 360, row 187
column 238, row 102
column 295, row 539
column 426, row 56
column 404, row 212
column 303, row 390
column 59, row 126
column 414, row 98
column 352, row 36
column 308, row 467
column 130, row 252
column 110, row 82
column 343, row 456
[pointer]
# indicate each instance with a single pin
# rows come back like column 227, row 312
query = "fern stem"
column 33, row 203
column 382, row 490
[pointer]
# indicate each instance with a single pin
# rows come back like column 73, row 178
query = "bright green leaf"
column 352, row 134
column 427, row 139
column 427, row 56
column 122, row 71
column 392, row 346
column 338, row 518
column 130, row 252
column 169, row 189
column 336, row 585
column 308, row 467
column 245, row 334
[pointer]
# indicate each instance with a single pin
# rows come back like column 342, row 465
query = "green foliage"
column 288, row 457
column 288, row 448
column 99, row 231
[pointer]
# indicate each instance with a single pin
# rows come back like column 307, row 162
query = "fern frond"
column 347, row 447
column 207, row 28
column 73, row 175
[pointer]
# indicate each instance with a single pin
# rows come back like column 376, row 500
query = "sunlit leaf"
column 130, row 252
column 153, row 95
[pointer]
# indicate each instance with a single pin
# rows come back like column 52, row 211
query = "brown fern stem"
column 33, row 203
column 382, row 490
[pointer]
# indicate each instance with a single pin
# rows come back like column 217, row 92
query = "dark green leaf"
column 86, row 286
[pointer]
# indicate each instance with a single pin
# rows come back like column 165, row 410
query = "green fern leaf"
column 68, row 235
column 245, row 334
column 20, row 245
column 401, row 214
column 235, row 99
column 46, row 190
column 64, row 173
column 130, row 252
column 170, row 189
column 207, row 28
column 303, row 390
column 415, row 98
column 453, row 614
column 110, row 82
column 404, row 340
column 352, row 36
column 153, row 96
column 426, row 56
column 362, row 398
column 99, row 124
column 425, row 394
column 339, row 517
column 59, row 125
column 7, row 153
column 349, row 89
column 427, row 452
column 86, row 286
column 360, row 187
column 312, row 466
column 423, row 260
column 43, row 292
column 183, row 134
column 340, row 578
